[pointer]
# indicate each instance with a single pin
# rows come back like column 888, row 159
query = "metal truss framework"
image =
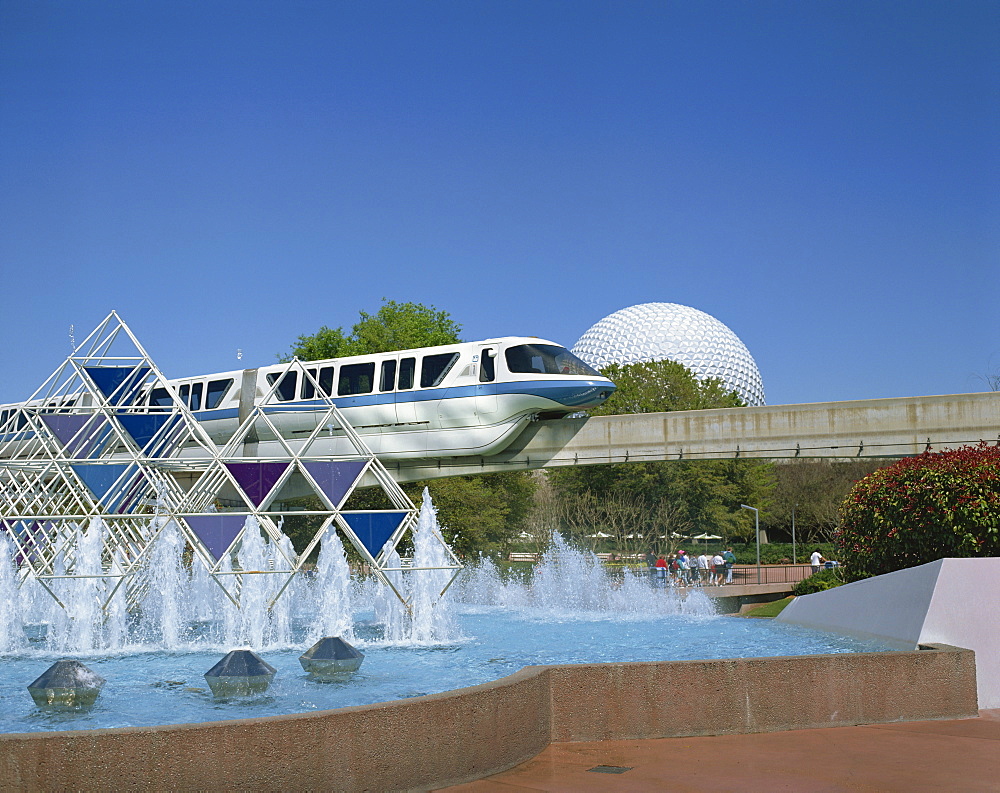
column 92, row 443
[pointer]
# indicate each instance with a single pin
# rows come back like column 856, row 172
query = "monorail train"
column 471, row 398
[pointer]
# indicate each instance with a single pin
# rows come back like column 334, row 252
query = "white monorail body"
column 466, row 399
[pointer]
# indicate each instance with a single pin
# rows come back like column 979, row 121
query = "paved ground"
column 961, row 755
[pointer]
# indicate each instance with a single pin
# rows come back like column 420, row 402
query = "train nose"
column 599, row 395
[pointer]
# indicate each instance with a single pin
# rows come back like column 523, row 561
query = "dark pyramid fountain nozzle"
column 66, row 684
column 330, row 659
column 239, row 673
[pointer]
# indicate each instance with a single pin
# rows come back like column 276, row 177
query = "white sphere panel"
column 669, row 331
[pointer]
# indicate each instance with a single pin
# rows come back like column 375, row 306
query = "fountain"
column 487, row 625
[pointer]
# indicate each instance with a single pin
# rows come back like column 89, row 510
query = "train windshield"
column 546, row 359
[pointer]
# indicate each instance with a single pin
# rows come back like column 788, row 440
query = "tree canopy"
column 699, row 495
column 395, row 326
column 659, row 386
column 921, row 509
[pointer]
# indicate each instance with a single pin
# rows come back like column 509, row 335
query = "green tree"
column 702, row 494
column 395, row 326
column 660, row 386
column 321, row 345
column 920, row 509
column 814, row 489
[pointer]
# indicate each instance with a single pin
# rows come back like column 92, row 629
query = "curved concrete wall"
column 462, row 735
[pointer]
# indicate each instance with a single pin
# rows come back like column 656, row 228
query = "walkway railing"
column 771, row 573
column 743, row 574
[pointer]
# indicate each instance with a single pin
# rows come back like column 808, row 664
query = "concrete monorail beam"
column 897, row 427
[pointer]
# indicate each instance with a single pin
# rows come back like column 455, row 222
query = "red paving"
column 960, row 755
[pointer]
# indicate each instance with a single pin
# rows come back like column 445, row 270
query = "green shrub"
column 818, row 582
column 920, row 509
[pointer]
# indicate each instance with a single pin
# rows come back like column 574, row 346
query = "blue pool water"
column 168, row 687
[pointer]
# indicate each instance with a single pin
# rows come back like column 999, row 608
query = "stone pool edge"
column 465, row 734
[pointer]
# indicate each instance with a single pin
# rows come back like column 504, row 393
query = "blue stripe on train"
column 570, row 395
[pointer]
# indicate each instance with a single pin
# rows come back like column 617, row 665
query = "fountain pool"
column 569, row 610
column 149, row 687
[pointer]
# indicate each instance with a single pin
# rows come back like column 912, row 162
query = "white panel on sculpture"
column 669, row 331
column 898, row 605
column 950, row 601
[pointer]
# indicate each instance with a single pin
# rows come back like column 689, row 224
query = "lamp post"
column 756, row 523
column 793, row 533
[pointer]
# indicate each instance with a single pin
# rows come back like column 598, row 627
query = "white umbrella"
column 600, row 535
column 706, row 537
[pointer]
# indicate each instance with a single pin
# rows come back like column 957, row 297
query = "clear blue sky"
column 823, row 177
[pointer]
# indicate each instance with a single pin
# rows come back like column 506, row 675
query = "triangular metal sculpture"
column 93, row 447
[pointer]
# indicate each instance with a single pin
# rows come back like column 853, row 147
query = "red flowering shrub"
column 920, row 509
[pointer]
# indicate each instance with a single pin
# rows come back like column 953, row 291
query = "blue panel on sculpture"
column 336, row 478
column 132, row 498
column 374, row 529
column 143, row 426
column 217, row 532
column 99, row 479
column 168, row 439
column 121, row 381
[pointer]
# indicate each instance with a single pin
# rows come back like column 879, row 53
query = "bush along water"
column 818, row 582
column 920, row 509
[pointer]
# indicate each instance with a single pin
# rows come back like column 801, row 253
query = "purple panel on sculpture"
column 217, row 532
column 336, row 479
column 64, row 426
column 257, row 479
column 25, row 535
column 78, row 439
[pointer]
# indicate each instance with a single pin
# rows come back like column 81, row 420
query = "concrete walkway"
column 962, row 755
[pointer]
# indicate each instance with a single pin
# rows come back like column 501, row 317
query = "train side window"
column 15, row 419
column 487, row 365
column 435, row 367
column 356, row 378
column 326, row 381
column 216, row 392
column 160, row 397
column 286, row 388
column 308, row 389
column 196, row 390
column 185, row 392
column 407, row 368
column 388, row 381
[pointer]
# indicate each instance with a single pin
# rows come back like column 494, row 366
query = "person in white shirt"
column 703, row 569
column 718, row 569
column 816, row 560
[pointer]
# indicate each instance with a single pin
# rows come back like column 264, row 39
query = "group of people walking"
column 684, row 569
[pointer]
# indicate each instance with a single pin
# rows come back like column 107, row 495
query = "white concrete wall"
column 950, row 601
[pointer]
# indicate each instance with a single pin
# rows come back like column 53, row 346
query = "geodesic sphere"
column 668, row 331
